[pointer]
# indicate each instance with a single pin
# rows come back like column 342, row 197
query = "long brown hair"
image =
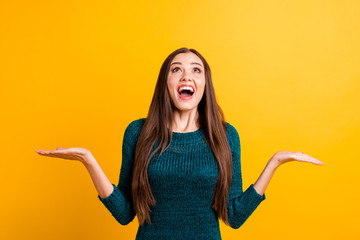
column 155, row 128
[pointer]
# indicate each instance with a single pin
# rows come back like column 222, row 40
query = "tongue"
column 185, row 94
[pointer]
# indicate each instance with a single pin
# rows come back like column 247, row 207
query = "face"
column 186, row 81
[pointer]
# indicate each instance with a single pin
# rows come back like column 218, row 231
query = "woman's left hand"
column 281, row 157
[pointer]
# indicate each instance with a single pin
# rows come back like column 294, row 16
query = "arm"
column 118, row 199
column 263, row 181
column 240, row 204
column 111, row 196
column 275, row 161
column 101, row 182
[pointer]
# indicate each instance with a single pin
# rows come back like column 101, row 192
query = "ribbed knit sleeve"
column 119, row 202
column 240, row 204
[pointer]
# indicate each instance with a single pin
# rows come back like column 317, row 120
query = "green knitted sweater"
column 182, row 181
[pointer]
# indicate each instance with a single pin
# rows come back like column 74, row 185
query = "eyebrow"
column 181, row 63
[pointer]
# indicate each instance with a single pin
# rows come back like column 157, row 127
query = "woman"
column 181, row 168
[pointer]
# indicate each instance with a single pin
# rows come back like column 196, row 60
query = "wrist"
column 273, row 163
column 88, row 159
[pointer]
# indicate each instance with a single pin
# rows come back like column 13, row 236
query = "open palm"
column 286, row 156
column 74, row 153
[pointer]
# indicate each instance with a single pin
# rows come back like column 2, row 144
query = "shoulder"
column 231, row 131
column 135, row 125
column 133, row 129
column 233, row 136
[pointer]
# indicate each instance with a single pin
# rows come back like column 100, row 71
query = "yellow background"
column 76, row 73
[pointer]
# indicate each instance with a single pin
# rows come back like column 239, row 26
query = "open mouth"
column 186, row 91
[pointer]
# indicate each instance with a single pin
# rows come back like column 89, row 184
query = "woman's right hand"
column 75, row 153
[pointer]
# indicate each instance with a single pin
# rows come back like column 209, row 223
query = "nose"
column 186, row 77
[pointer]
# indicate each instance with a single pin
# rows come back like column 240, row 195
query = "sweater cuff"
column 114, row 198
column 254, row 195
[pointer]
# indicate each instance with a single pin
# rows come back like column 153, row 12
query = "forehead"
column 187, row 58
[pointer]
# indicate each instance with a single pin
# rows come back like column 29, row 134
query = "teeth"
column 186, row 88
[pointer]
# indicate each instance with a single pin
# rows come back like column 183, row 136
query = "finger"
column 39, row 151
column 48, row 153
column 45, row 152
column 312, row 160
column 60, row 148
column 318, row 162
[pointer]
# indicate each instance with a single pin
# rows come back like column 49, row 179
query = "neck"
column 185, row 121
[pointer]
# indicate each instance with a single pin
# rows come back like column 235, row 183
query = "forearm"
column 263, row 181
column 101, row 182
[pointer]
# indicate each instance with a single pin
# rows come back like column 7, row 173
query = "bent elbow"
column 236, row 224
column 125, row 219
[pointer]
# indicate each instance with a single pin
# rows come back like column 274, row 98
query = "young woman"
column 181, row 169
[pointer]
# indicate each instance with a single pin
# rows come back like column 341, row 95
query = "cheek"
column 170, row 87
column 201, row 95
column 171, row 82
column 201, row 87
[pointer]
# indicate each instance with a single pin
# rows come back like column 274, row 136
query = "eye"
column 175, row 69
column 198, row 69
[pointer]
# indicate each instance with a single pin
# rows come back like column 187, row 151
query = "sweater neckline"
column 187, row 136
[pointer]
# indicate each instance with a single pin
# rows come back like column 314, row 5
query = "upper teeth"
column 186, row 88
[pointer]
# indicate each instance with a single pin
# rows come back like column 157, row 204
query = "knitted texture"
column 182, row 181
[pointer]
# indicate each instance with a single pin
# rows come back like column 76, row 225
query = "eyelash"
column 194, row 68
